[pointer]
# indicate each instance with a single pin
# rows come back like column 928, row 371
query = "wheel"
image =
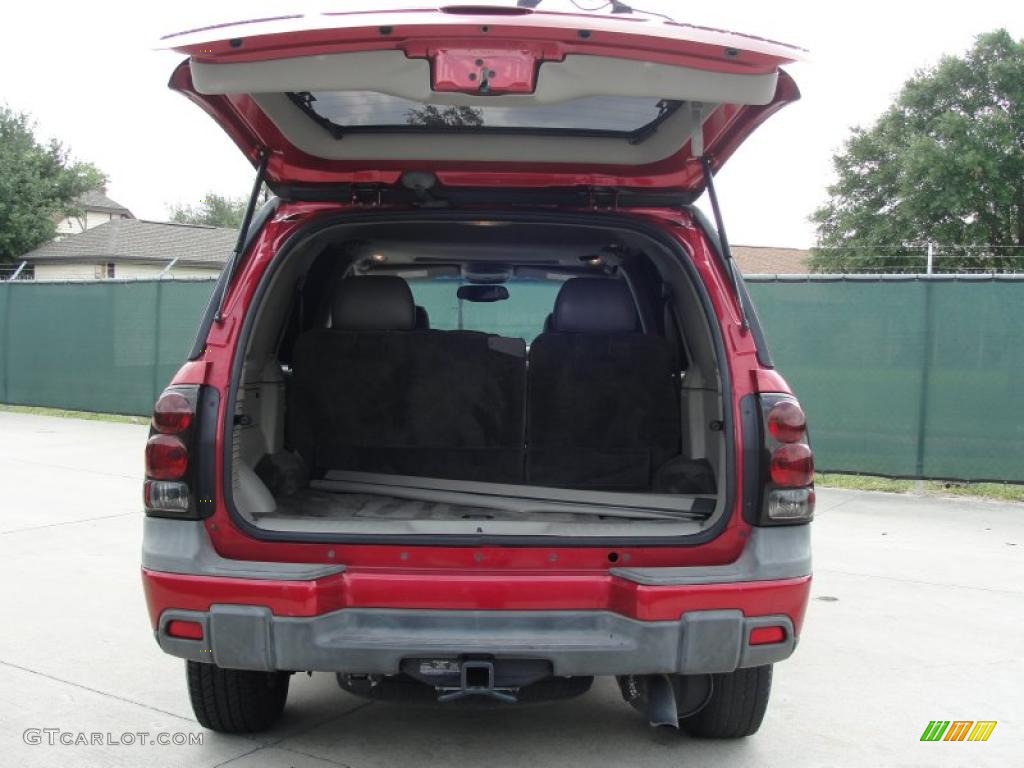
column 736, row 707
column 235, row 700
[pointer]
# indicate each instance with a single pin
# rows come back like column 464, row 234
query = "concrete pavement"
column 917, row 613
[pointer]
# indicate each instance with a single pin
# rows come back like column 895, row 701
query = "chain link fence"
column 918, row 258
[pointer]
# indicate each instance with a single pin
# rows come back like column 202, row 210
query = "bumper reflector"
column 189, row 630
column 767, row 635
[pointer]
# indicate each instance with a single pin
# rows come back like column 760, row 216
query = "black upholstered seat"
column 601, row 401
column 374, row 393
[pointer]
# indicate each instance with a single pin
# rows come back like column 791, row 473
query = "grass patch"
column 66, row 414
column 997, row 491
column 864, row 483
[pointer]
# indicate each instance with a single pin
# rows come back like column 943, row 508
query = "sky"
column 90, row 75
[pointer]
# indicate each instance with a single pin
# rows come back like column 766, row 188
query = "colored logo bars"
column 958, row 730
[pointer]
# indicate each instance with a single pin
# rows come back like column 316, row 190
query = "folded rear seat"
column 375, row 394
column 601, row 400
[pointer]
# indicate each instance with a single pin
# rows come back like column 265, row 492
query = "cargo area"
column 479, row 376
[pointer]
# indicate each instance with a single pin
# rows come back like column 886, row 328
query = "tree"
column 944, row 164
column 213, row 210
column 450, row 117
column 39, row 185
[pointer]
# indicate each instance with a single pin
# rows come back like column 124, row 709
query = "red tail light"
column 172, row 413
column 792, row 465
column 170, row 454
column 789, row 487
column 786, row 422
column 166, row 458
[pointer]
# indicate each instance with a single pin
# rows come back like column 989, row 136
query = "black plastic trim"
column 751, row 424
column 207, row 410
column 606, row 220
column 570, row 197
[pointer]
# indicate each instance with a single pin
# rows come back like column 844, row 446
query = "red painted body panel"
column 514, row 68
column 768, row 380
column 315, row 34
column 416, row 589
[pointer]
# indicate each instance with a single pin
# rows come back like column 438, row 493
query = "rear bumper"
column 376, row 641
column 295, row 616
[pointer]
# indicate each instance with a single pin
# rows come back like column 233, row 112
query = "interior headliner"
column 486, row 242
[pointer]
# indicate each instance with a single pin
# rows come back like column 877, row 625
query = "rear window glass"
column 368, row 111
column 521, row 315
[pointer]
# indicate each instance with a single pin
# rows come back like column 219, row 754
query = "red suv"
column 480, row 408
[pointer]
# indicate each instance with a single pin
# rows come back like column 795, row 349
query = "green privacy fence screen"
column 904, row 376
column 106, row 346
column 914, row 377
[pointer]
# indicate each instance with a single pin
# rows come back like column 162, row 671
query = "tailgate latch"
column 484, row 71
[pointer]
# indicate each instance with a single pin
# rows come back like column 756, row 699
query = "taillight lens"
column 167, row 496
column 792, row 465
column 786, row 422
column 794, row 505
column 166, row 458
column 175, row 468
column 789, row 479
column 172, row 413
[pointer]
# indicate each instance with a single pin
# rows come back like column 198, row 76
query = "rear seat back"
column 374, row 394
column 602, row 406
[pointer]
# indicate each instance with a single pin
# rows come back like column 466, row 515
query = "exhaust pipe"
column 661, row 702
column 666, row 699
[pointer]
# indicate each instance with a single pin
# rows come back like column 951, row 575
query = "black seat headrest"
column 594, row 305
column 373, row 303
column 422, row 319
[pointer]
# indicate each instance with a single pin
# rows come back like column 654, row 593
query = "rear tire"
column 235, row 700
column 736, row 707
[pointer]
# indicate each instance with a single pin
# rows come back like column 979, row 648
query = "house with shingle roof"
column 768, row 260
column 96, row 208
column 134, row 248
